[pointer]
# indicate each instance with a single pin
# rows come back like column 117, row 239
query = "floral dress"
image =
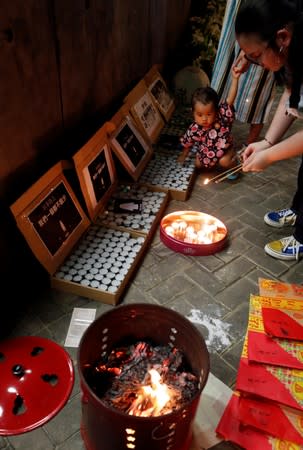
column 211, row 143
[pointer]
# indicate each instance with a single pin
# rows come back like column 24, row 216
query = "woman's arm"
column 289, row 148
column 281, row 121
column 257, row 156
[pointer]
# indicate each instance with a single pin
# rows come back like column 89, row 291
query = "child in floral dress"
column 210, row 133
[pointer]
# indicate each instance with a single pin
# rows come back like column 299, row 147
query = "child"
column 210, row 132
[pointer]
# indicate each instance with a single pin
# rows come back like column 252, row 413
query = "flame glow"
column 194, row 227
column 152, row 398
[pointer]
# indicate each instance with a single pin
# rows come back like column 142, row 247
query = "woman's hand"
column 254, row 148
column 256, row 157
column 256, row 161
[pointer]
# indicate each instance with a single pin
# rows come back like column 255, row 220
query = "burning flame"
column 152, row 398
column 194, row 230
column 206, row 181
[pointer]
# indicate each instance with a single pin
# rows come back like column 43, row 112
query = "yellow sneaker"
column 287, row 248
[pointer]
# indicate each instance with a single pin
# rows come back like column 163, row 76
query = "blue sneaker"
column 233, row 176
column 281, row 218
column 287, row 248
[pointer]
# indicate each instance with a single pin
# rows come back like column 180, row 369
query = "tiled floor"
column 214, row 289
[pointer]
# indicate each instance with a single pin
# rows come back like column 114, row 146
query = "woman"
column 270, row 32
column 256, row 86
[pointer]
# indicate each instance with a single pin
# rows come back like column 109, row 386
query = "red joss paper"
column 265, row 349
column 271, row 418
column 284, row 323
column 275, row 383
column 231, row 429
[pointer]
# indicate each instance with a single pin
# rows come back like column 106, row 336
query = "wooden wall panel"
column 29, row 85
column 177, row 19
column 103, row 47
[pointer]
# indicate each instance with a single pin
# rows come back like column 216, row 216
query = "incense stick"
column 224, row 174
column 218, row 180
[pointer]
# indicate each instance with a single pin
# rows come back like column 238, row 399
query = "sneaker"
column 280, row 218
column 233, row 176
column 287, row 248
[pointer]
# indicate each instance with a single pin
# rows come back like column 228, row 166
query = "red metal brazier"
column 106, row 428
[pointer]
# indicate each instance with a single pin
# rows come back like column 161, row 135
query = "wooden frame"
column 145, row 111
column 128, row 143
column 96, row 172
column 160, row 93
column 50, row 218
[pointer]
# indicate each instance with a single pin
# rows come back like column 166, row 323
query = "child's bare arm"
column 236, row 73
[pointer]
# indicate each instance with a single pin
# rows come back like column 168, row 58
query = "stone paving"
column 213, row 291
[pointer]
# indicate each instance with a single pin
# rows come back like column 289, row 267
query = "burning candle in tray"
column 193, row 233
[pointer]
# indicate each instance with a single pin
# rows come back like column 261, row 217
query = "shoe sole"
column 274, row 224
column 272, row 253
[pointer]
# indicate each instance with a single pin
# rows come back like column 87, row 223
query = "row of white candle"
column 102, row 259
column 152, row 202
column 164, row 170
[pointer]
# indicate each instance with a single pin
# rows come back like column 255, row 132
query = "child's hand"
column 242, row 63
column 236, row 71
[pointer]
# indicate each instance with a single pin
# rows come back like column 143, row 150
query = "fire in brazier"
column 143, row 379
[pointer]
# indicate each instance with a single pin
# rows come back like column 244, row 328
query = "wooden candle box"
column 160, row 172
column 161, row 95
column 82, row 256
column 125, row 207
column 145, row 112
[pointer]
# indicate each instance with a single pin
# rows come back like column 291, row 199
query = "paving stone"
column 238, row 318
column 75, row 442
column 208, row 262
column 234, row 270
column 222, row 370
column 66, row 422
column 207, row 281
column 236, row 226
column 257, row 273
column 233, row 354
column 272, row 265
column 236, row 294
column 201, row 300
column 254, row 237
column 172, row 287
column 36, row 439
column 135, row 295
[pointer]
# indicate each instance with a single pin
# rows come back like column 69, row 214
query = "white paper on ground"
column 80, row 320
column 213, row 401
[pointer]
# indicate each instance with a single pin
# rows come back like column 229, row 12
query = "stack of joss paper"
column 265, row 411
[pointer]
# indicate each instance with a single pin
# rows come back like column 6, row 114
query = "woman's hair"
column 264, row 18
column 205, row 95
